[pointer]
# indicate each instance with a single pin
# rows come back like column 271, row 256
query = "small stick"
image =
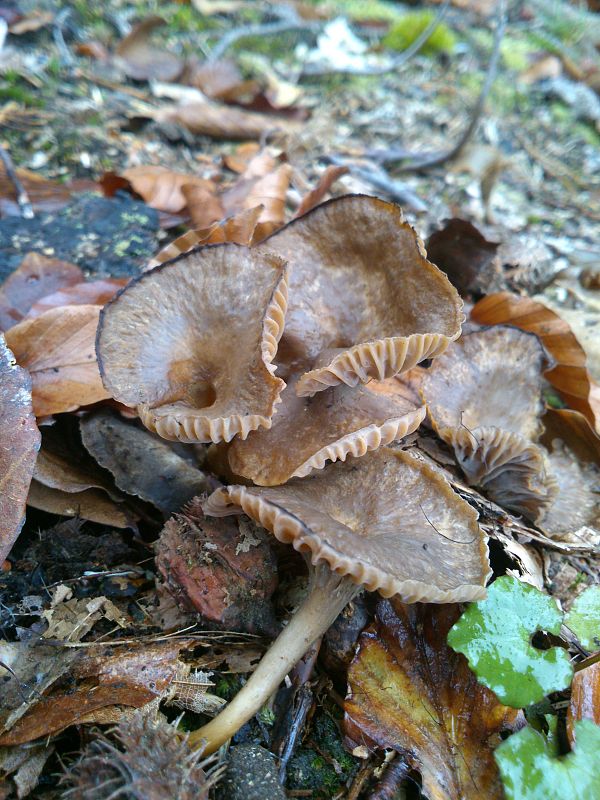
column 380, row 180
column 427, row 162
column 267, row 29
column 22, row 196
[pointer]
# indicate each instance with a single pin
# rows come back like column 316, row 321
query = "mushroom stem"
column 328, row 594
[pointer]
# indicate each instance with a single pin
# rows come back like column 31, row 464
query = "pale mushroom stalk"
column 328, row 594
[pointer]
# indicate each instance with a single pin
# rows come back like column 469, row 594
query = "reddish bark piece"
column 19, row 443
column 35, row 277
column 585, row 698
column 55, row 713
column 58, row 349
column 222, row 568
column 409, row 691
column 96, row 293
column 569, row 375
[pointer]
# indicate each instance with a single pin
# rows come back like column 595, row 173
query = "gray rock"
column 251, row 775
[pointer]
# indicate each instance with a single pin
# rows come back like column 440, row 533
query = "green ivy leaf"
column 529, row 771
column 584, row 618
column 495, row 636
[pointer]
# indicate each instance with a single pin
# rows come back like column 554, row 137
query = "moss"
column 227, row 686
column 19, row 94
column 552, row 399
column 516, row 53
column 376, row 10
column 409, row 27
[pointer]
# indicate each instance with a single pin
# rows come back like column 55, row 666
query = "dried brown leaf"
column 35, row 277
column 161, row 188
column 19, row 443
column 242, row 155
column 409, row 691
column 222, row 122
column 91, row 504
column 96, row 293
column 58, row 349
column 570, row 376
column 143, row 60
column 44, row 194
column 585, row 698
column 323, row 187
column 203, row 205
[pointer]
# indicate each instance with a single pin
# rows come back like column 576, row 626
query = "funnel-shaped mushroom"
column 191, row 343
column 387, row 522
column 309, row 431
column 484, row 399
column 364, row 300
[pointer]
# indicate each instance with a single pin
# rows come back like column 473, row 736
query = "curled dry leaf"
column 91, row 504
column 142, row 60
column 96, row 293
column 238, row 229
column 364, row 300
column 44, row 194
column 58, row 350
column 222, row 568
column 202, row 370
column 408, row 691
column 19, row 444
column 142, row 464
column 35, row 277
column 308, row 432
column 569, row 375
column 317, row 195
column 387, row 521
column 161, row 188
column 202, row 204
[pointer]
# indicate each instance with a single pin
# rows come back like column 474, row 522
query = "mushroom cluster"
column 287, row 357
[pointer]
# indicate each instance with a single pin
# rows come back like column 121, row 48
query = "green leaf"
column 529, row 772
column 495, row 636
column 584, row 618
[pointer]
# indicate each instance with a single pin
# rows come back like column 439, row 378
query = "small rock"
column 251, row 775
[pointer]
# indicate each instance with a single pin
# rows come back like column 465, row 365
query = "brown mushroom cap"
column 574, row 516
column 308, row 432
column 488, row 378
column 388, row 521
column 362, row 289
column 191, row 343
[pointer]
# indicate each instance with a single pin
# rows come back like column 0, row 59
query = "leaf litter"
column 134, row 602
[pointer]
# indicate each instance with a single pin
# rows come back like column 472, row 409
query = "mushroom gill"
column 387, row 522
column 191, row 343
column 484, row 398
column 364, row 300
column 307, row 432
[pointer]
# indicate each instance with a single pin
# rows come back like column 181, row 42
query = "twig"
column 266, row 29
column 427, row 162
column 22, row 196
column 65, row 54
column 393, row 64
column 380, row 180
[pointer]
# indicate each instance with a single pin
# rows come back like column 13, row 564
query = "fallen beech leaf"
column 495, row 636
column 238, row 229
column 96, row 293
column 570, row 376
column 91, row 504
column 55, row 713
column 584, row 618
column 203, row 206
column 58, row 349
column 585, row 697
column 242, row 155
column 408, row 691
column 19, row 443
column 270, row 192
column 142, row 60
column 142, row 464
column 161, row 188
column 222, row 568
column 44, row 194
column 219, row 80
column 92, row 49
column 221, row 121
column 35, row 277
column 531, row 772
column 317, row 195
